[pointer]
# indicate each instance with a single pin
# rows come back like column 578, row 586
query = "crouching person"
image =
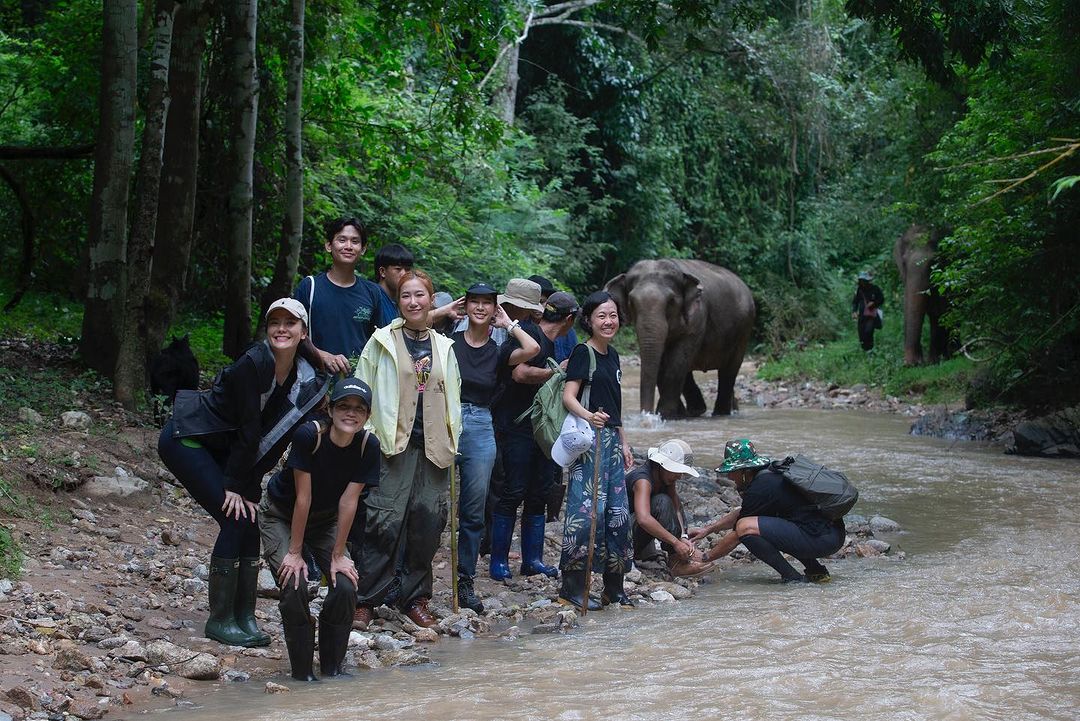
column 312, row 501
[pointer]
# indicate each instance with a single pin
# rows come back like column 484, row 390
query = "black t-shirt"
column 331, row 468
column 606, row 389
column 516, row 397
column 420, row 350
column 641, row 473
column 770, row 494
column 479, row 368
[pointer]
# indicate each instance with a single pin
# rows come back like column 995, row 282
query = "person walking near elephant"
column 219, row 443
column 526, row 473
column 418, row 426
column 311, row 503
column 866, row 309
column 479, row 359
column 613, row 552
column 775, row 518
column 657, row 509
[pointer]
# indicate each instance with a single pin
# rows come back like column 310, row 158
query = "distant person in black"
column 866, row 309
column 525, row 466
column 312, row 501
column 479, row 359
column 775, row 519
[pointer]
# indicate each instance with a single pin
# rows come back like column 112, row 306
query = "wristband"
column 510, row 328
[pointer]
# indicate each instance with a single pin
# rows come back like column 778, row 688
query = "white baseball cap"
column 576, row 437
column 292, row 305
column 675, row 456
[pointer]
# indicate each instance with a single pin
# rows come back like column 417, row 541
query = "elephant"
column 915, row 254
column 689, row 315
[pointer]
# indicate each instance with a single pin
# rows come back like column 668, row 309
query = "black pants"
column 867, row 326
column 527, row 475
column 779, row 536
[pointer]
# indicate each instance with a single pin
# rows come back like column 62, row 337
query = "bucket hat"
column 675, row 456
column 740, row 454
column 522, row 293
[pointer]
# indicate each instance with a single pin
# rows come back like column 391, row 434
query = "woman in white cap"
column 219, row 443
column 312, row 502
column 658, row 512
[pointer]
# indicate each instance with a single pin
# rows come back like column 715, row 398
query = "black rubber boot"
column 300, row 641
column 613, row 591
column 467, row 594
column 221, row 626
column 247, row 588
column 333, row 643
column 573, row 589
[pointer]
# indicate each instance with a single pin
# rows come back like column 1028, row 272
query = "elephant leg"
column 725, row 388
column 695, row 401
column 669, row 403
column 939, row 335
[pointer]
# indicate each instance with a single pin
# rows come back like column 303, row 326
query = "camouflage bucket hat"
column 741, row 454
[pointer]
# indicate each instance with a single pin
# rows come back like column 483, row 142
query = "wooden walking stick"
column 453, row 538
column 592, row 521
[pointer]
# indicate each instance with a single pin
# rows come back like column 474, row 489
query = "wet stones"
column 182, row 661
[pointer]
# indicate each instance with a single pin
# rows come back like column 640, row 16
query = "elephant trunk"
column 651, row 339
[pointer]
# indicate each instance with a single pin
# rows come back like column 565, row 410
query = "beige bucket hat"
column 522, row 293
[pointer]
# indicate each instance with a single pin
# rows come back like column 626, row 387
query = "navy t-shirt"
column 332, row 468
column 478, row 367
column 342, row 319
column 606, row 389
column 516, row 397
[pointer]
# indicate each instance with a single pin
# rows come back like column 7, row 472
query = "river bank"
column 106, row 617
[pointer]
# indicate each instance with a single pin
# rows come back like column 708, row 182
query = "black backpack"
column 830, row 491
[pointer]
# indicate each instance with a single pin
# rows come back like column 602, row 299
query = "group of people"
column 368, row 471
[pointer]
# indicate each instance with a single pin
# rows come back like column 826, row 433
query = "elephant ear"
column 617, row 287
column 693, row 303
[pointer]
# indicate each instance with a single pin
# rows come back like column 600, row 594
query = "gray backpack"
column 828, row 490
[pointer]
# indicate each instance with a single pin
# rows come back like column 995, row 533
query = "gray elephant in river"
column 915, row 254
column 689, row 315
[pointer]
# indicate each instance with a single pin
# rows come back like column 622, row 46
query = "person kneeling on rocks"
column 657, row 510
column 312, row 502
column 775, row 518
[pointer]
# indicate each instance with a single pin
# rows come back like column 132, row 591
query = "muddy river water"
column 981, row 620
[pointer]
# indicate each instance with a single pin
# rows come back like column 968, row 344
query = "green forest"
column 167, row 166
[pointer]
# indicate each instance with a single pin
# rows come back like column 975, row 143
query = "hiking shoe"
column 689, row 569
column 818, row 577
column 419, row 614
column 362, row 617
column 795, row 579
column 467, row 595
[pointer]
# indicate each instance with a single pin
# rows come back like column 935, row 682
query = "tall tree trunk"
column 240, row 23
column 26, row 221
column 288, row 255
column 504, row 98
column 180, row 163
column 107, row 234
column 129, row 380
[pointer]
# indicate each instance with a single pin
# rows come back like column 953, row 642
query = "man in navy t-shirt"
column 343, row 308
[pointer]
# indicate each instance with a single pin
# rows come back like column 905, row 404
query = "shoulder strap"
column 363, row 443
column 311, row 302
column 588, row 383
column 318, row 437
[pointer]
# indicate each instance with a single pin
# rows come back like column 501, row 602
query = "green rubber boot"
column 221, row 626
column 247, row 589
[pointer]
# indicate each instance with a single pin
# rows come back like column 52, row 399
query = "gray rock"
column 194, row 587
column 232, row 675
column 386, row 642
column 182, row 661
column 108, row 644
column 272, row 687
column 881, row 524
column 6, row 586
column 1056, row 435
column 405, row 657
column 29, row 415
column 661, row 597
column 114, row 486
column 267, row 586
column 677, row 592
column 546, row 628
column 132, row 650
column 201, row 571
column 360, row 641
column 75, row 420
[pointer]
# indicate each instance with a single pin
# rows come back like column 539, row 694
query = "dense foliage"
column 791, row 142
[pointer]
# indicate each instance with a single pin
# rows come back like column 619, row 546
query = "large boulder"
column 182, row 661
column 1054, row 436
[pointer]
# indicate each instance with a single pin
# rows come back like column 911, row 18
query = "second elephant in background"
column 689, row 315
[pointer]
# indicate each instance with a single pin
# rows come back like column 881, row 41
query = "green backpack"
column 547, row 411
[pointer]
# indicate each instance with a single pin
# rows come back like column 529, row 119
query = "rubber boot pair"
column 573, row 589
column 502, row 531
column 247, row 590
column 613, row 591
column 333, row 643
column 532, row 548
column 222, row 626
column 300, row 642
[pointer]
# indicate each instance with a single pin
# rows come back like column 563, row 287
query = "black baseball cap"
column 351, row 387
column 481, row 289
column 546, row 288
column 561, row 303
